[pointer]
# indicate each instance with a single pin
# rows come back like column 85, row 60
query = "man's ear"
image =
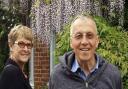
column 71, row 43
column 98, row 41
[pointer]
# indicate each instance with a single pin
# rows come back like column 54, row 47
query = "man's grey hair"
column 84, row 18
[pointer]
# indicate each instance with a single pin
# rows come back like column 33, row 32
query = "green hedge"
column 113, row 45
column 8, row 18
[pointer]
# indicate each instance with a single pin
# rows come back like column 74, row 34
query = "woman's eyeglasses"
column 21, row 44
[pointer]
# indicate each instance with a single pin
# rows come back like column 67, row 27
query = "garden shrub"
column 8, row 19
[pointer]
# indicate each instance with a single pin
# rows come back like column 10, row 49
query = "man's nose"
column 84, row 40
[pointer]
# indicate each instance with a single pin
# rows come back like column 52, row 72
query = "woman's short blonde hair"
column 20, row 31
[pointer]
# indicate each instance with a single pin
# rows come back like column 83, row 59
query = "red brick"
column 41, row 64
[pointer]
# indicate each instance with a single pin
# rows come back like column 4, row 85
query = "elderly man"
column 82, row 68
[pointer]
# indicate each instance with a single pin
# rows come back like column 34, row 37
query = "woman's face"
column 21, row 50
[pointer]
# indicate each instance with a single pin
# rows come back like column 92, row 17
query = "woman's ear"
column 10, row 45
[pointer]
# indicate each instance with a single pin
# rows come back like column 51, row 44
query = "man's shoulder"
column 112, row 71
column 57, row 68
column 110, row 67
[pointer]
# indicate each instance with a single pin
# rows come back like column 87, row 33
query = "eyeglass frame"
column 80, row 35
column 22, row 44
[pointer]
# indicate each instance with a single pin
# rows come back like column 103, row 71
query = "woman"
column 20, row 42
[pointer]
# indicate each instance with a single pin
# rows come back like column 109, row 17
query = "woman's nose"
column 25, row 47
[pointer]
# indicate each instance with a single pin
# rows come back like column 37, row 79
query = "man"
column 82, row 68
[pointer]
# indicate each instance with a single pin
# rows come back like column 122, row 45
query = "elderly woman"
column 20, row 41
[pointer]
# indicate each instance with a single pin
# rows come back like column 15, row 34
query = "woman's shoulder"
column 10, row 70
column 11, row 67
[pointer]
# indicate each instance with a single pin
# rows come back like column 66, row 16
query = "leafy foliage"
column 38, row 2
column 45, row 87
column 113, row 45
column 126, row 15
column 8, row 18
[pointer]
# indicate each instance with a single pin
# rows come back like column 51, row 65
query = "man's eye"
column 78, row 36
column 89, row 36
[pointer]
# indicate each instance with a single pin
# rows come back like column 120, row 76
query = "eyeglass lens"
column 21, row 44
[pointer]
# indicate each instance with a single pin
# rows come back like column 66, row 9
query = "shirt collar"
column 76, row 66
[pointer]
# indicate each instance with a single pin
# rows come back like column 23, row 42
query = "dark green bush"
column 8, row 18
column 113, row 45
column 45, row 87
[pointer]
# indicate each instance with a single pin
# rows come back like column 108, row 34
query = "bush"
column 8, row 18
column 45, row 87
column 113, row 45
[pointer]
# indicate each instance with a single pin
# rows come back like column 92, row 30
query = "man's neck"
column 87, row 66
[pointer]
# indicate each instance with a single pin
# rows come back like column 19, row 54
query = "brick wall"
column 41, row 64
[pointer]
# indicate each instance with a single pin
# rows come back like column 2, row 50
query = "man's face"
column 21, row 50
column 84, row 40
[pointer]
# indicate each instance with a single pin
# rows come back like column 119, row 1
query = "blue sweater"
column 106, row 77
